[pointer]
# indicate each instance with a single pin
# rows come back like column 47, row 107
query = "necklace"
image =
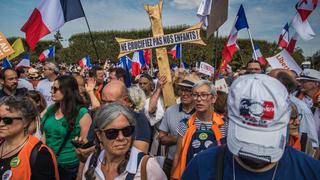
column 234, row 171
column 20, row 146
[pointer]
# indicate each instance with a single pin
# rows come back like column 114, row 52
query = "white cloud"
column 186, row 4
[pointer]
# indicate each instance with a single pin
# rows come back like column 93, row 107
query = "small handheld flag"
column 25, row 62
column 260, row 57
column 176, row 51
column 48, row 53
column 6, row 64
column 85, row 62
column 284, row 37
column 138, row 62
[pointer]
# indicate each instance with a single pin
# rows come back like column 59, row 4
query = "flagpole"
column 216, row 48
column 151, row 62
column 254, row 52
column 94, row 46
column 181, row 61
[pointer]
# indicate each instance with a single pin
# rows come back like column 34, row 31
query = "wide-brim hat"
column 310, row 75
column 189, row 81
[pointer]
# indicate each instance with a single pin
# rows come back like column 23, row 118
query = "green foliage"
column 80, row 45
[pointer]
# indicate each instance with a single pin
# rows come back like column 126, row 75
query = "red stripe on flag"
column 227, row 54
column 35, row 29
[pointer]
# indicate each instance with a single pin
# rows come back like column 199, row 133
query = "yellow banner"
column 190, row 35
column 5, row 48
column 18, row 48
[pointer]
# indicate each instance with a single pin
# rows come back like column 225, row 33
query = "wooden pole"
column 155, row 15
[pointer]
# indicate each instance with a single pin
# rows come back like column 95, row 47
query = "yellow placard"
column 5, row 48
column 190, row 35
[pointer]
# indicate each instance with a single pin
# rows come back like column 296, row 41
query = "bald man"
column 116, row 91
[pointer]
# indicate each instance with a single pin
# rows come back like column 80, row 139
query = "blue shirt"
column 292, row 165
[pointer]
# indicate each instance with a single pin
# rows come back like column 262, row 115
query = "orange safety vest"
column 23, row 170
column 217, row 122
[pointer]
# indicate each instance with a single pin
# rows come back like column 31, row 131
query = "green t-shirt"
column 55, row 131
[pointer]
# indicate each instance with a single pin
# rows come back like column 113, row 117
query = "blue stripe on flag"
column 72, row 9
column 241, row 20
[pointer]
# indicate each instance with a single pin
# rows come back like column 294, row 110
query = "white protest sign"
column 284, row 60
column 221, row 85
column 206, row 69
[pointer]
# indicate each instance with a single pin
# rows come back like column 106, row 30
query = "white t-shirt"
column 44, row 87
column 22, row 83
column 154, row 171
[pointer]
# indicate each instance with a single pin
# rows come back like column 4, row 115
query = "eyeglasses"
column 54, row 89
column 185, row 90
column 9, row 120
column 203, row 96
column 112, row 134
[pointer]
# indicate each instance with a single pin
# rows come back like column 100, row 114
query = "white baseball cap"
column 259, row 113
column 310, row 75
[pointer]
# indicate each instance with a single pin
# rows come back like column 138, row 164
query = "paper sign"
column 284, row 60
column 221, row 85
column 5, row 48
column 206, row 69
column 191, row 35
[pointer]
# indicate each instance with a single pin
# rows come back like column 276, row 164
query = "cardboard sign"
column 5, row 48
column 190, row 35
column 221, row 85
column 206, row 69
column 284, row 60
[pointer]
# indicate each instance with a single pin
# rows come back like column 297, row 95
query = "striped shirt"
column 200, row 125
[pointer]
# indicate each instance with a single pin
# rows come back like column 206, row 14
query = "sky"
column 266, row 18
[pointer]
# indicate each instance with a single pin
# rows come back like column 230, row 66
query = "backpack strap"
column 220, row 162
column 130, row 176
column 144, row 167
column 34, row 154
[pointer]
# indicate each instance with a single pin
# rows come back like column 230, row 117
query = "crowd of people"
column 65, row 122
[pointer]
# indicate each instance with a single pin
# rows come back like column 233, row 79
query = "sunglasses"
column 112, row 134
column 54, row 89
column 9, row 120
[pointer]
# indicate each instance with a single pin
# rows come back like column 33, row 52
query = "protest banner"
column 221, row 85
column 5, row 48
column 159, row 41
column 190, row 35
column 206, row 69
column 284, row 60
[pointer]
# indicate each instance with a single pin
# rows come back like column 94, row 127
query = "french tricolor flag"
column 176, row 51
column 138, row 62
column 292, row 44
column 284, row 37
column 260, row 57
column 305, row 8
column 25, row 62
column 49, row 16
column 85, row 63
column 48, row 53
column 231, row 46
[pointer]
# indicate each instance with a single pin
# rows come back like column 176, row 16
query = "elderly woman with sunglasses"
column 22, row 156
column 117, row 158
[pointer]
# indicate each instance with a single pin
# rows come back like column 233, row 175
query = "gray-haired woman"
column 117, row 159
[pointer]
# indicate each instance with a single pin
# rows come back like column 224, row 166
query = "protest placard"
column 5, row 48
column 284, row 60
column 206, row 69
